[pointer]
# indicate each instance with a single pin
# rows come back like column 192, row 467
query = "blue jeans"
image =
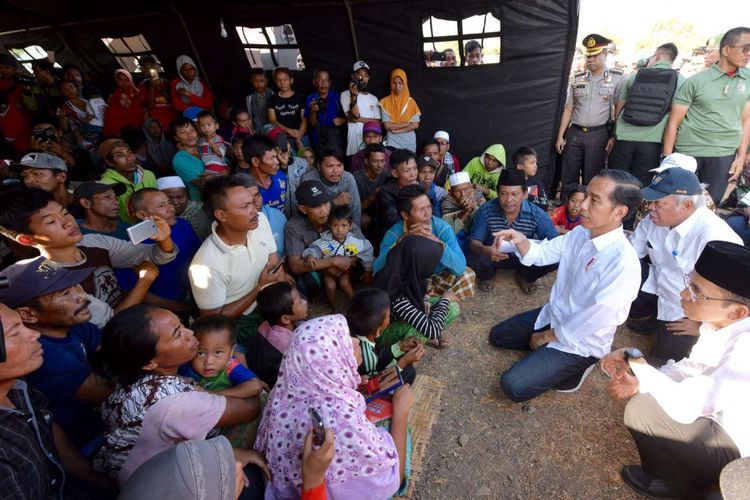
column 543, row 368
column 738, row 223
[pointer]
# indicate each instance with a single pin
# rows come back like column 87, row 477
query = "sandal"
column 526, row 288
column 439, row 343
column 487, row 285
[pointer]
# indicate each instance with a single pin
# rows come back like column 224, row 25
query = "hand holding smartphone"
column 276, row 266
column 318, row 427
column 142, row 231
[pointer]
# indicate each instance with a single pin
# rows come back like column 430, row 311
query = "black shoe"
column 572, row 384
column 647, row 485
column 642, row 326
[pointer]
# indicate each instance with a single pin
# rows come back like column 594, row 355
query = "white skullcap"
column 680, row 160
column 442, row 134
column 169, row 183
column 458, row 178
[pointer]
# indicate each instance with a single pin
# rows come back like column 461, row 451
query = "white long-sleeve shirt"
column 596, row 281
column 713, row 382
column 673, row 254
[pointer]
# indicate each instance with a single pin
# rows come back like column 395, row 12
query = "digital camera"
column 360, row 84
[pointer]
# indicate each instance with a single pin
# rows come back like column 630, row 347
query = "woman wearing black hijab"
column 404, row 278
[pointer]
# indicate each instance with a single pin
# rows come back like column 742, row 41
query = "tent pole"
column 194, row 48
column 348, row 5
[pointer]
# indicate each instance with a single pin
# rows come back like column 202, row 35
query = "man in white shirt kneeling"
column 672, row 236
column 597, row 279
column 690, row 418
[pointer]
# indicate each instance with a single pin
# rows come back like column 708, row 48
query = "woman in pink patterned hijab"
column 319, row 371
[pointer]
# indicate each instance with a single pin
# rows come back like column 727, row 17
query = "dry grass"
column 564, row 446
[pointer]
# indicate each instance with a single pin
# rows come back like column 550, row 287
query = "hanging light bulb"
column 223, row 29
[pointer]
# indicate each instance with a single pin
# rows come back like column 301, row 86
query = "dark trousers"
column 714, row 171
column 257, row 487
column 542, row 369
column 688, row 456
column 667, row 345
column 583, row 151
column 486, row 269
column 638, row 158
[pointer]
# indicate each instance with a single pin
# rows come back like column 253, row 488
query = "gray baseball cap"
column 40, row 160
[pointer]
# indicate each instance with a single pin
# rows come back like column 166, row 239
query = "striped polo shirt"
column 532, row 221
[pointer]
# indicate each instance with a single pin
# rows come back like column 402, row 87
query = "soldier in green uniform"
column 710, row 117
column 638, row 147
column 711, row 56
column 584, row 137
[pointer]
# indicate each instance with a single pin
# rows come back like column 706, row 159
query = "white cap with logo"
column 360, row 65
column 680, row 160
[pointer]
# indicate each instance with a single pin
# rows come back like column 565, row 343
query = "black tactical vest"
column 650, row 97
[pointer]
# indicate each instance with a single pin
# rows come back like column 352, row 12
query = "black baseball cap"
column 88, row 189
column 36, row 277
column 671, row 181
column 426, row 161
column 312, row 194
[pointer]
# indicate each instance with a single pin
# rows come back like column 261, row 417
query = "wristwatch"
column 631, row 353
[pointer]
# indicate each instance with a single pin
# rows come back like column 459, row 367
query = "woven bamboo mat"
column 427, row 392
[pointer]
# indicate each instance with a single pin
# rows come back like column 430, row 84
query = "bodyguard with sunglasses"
column 690, row 418
column 672, row 236
column 710, row 117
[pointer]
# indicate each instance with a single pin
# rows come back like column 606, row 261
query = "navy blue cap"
column 672, row 181
column 36, row 277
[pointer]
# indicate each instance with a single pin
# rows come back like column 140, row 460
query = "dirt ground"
column 555, row 446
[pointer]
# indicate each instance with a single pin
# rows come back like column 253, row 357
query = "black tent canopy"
column 517, row 102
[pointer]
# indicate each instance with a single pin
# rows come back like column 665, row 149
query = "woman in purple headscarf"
column 319, row 371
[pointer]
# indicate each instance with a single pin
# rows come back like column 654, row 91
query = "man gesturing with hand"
column 597, row 279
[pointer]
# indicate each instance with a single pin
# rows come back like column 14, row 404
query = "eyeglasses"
column 441, row 143
column 745, row 48
column 694, row 297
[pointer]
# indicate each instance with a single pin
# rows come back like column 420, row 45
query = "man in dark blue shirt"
column 50, row 299
column 323, row 111
column 510, row 210
column 171, row 287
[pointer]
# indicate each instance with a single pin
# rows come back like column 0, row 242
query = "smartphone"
column 319, row 428
column 142, row 231
column 276, row 267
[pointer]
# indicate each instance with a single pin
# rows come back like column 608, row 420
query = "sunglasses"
column 745, row 48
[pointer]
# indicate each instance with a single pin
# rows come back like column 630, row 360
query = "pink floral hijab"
column 319, row 371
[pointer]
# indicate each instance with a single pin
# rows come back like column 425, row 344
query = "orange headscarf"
column 401, row 108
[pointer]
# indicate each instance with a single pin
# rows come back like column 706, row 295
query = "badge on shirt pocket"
column 606, row 91
column 580, row 89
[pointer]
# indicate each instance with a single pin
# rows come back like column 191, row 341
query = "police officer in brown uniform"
column 585, row 134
